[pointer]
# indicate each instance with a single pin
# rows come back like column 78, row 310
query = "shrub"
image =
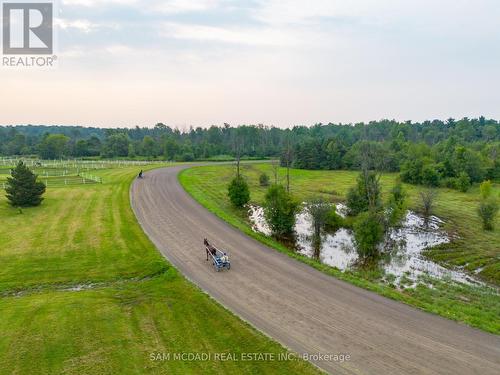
column 238, row 192
column 187, row 156
column 430, row 176
column 368, row 233
column 463, row 182
column 411, row 171
column 280, row 209
column 488, row 210
column 333, row 220
column 486, row 189
column 428, row 198
column 450, row 183
column 488, row 207
column 356, row 203
column 264, row 179
column 23, row 189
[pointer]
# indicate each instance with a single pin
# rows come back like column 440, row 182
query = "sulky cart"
column 220, row 259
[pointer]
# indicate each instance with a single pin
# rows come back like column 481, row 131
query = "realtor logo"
column 27, row 28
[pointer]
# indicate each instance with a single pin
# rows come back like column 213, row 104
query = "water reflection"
column 401, row 250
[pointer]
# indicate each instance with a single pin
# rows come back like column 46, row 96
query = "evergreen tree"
column 23, row 189
column 368, row 233
column 280, row 209
column 264, row 179
column 238, row 192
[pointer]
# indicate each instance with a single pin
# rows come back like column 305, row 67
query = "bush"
column 333, row 220
column 264, row 180
column 356, row 203
column 238, row 192
column 488, row 210
column 463, row 182
column 23, row 189
column 486, row 188
column 430, row 176
column 368, row 233
column 428, row 199
column 280, row 209
column 187, row 156
column 450, row 183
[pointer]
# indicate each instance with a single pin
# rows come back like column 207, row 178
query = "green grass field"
column 476, row 250
column 84, row 291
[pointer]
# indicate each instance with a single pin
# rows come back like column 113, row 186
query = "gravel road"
column 300, row 307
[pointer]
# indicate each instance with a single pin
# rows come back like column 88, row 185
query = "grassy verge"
column 84, row 291
column 478, row 307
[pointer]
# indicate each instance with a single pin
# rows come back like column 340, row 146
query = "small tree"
column 264, row 179
column 238, row 192
column 23, row 189
column 368, row 233
column 397, row 204
column 488, row 207
column 365, row 195
column 319, row 209
column 275, row 166
column 280, row 209
column 428, row 198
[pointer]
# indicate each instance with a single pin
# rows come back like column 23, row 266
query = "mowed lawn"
column 84, row 291
column 476, row 250
column 79, row 234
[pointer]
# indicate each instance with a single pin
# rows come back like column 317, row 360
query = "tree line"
column 451, row 153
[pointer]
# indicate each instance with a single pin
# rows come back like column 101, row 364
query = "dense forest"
column 452, row 153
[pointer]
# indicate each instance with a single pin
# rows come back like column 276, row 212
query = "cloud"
column 165, row 7
column 229, row 35
column 82, row 25
column 96, row 3
column 182, row 6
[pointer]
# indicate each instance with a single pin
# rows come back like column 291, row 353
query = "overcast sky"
column 284, row 63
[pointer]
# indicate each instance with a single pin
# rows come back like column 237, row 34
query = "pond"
column 402, row 249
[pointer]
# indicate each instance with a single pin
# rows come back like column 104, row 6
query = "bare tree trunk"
column 288, row 164
column 275, row 166
column 370, row 188
column 237, row 150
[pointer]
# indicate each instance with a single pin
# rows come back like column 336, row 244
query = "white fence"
column 75, row 163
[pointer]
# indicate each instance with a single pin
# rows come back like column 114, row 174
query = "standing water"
column 402, row 247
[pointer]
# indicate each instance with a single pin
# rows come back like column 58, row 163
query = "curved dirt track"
column 302, row 308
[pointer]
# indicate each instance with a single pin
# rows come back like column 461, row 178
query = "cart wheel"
column 229, row 266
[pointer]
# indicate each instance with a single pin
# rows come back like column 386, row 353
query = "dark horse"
column 209, row 248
